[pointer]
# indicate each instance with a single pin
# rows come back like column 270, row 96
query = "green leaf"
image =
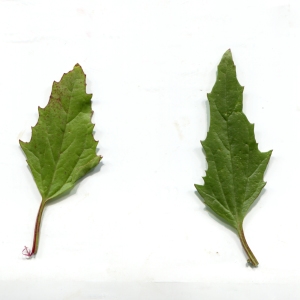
column 234, row 177
column 62, row 148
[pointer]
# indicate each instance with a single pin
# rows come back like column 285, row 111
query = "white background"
column 134, row 228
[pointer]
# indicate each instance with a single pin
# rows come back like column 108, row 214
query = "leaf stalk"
column 252, row 259
column 27, row 252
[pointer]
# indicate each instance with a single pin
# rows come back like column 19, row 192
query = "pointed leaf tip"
column 227, row 56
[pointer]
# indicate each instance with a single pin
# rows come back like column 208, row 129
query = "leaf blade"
column 62, row 148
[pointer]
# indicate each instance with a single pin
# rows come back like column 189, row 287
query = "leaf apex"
column 227, row 55
column 77, row 65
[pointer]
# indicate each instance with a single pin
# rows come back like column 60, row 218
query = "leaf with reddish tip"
column 62, row 148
